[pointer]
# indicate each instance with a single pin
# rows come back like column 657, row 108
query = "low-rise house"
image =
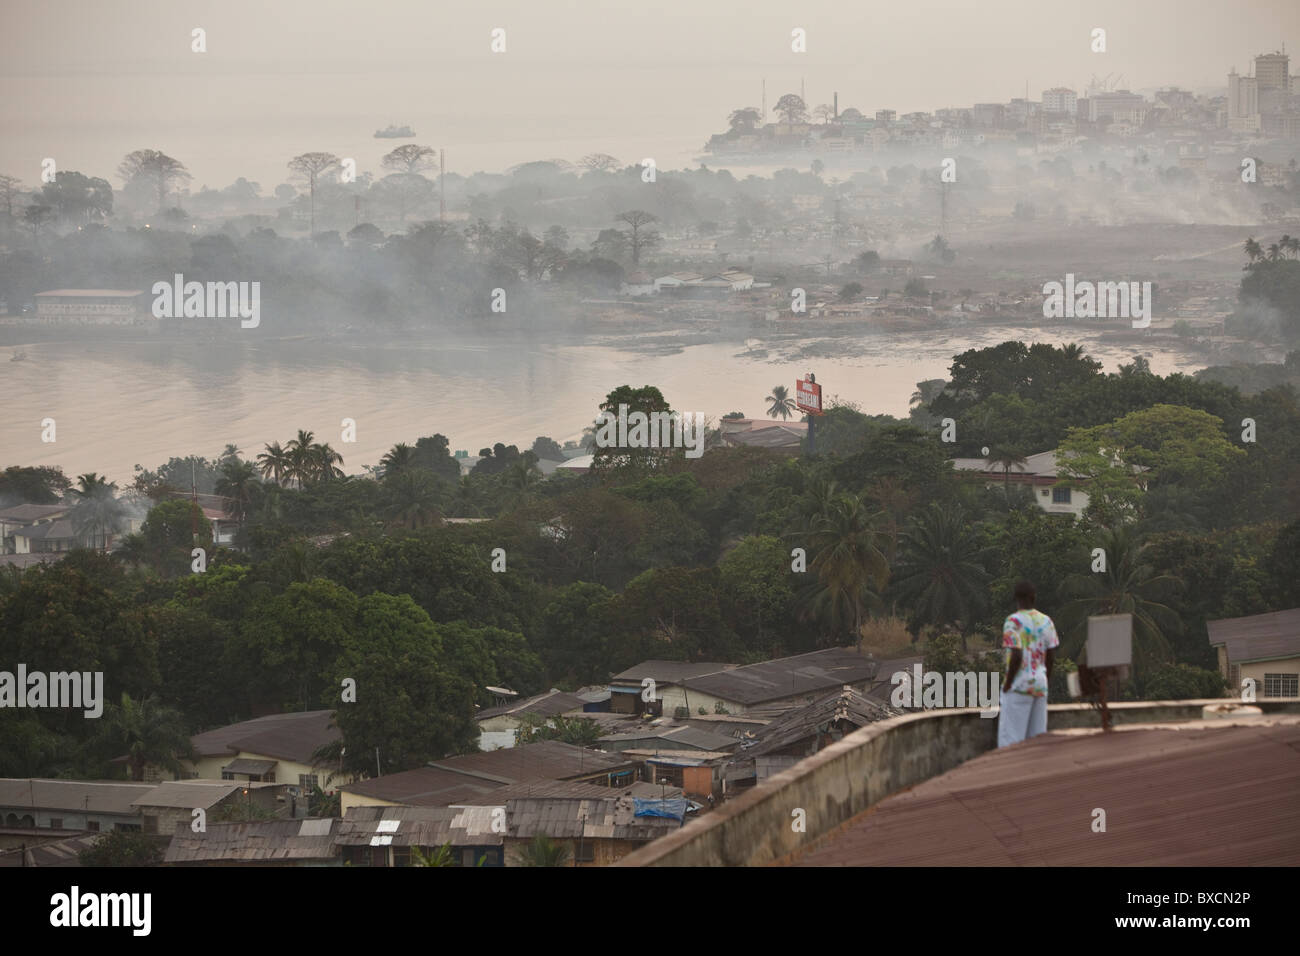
column 803, row 731
column 172, row 804
column 1039, row 472
column 94, row 805
column 595, row 831
column 278, row 748
column 46, row 537
column 267, row 843
column 470, row 778
column 631, row 694
column 499, row 725
column 24, row 516
column 764, row 433
column 386, row 836
column 674, row 738
column 638, row 284
column 92, row 307
column 1262, row 647
column 697, row 773
column 777, row 684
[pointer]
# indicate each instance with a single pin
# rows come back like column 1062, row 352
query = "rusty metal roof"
column 418, row 826
column 543, row 705
column 834, row 709
column 266, row 842
column 425, row 787
column 1183, row 795
column 607, row 818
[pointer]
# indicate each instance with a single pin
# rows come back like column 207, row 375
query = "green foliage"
column 1183, row 682
column 543, row 851
column 123, row 848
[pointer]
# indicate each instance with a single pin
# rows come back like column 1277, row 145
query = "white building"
column 1060, row 100
column 1039, row 472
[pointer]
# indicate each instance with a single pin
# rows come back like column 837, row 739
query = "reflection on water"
column 118, row 403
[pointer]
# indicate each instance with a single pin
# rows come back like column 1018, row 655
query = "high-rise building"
column 1273, row 71
column 1243, row 96
column 1060, row 100
column 1116, row 107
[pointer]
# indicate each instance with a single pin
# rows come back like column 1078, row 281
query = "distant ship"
column 394, row 132
column 18, row 356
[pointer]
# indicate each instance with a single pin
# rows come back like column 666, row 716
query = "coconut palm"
column 1008, row 456
column 324, row 463
column 941, row 572
column 1128, row 585
column 1253, row 252
column 301, row 464
column 150, row 734
column 848, row 565
column 237, row 482
column 779, row 403
column 97, row 513
column 400, row 457
column 522, row 476
column 412, row 498
column 275, row 463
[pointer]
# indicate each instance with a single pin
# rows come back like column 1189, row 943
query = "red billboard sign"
column 808, row 397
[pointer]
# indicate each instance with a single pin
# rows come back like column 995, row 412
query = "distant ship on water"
column 394, row 132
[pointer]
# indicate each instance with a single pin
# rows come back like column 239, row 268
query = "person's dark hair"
column 1025, row 593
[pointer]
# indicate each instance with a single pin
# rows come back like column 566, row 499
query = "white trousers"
column 1020, row 716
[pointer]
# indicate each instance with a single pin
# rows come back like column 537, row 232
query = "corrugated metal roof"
column 1259, row 637
column 190, row 794
column 610, row 818
column 424, row 787
column 669, row 672
column 543, row 705
column 57, row 853
column 544, row 760
column 419, row 826
column 81, row 795
column 843, row 706
column 787, row 676
column 1194, row 795
column 266, row 842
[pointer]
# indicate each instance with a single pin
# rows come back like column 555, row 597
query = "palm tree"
column 237, row 483
column 849, row 567
column 543, row 852
column 466, row 502
column 301, row 466
column 1008, row 456
column 522, row 475
column 150, row 733
column 413, row 497
column 97, row 511
column 324, row 462
column 275, row 463
column 399, row 457
column 440, row 856
column 941, row 574
column 780, row 403
column 1129, row 585
column 1253, row 252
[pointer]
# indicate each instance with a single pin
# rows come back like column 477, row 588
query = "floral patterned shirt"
column 1034, row 633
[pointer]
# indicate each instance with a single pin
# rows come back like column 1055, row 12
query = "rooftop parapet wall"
column 855, row 773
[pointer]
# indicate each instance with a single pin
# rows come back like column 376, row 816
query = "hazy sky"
column 85, row 81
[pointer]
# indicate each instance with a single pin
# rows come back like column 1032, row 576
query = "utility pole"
column 442, row 184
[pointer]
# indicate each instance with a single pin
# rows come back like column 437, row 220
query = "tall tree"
column 97, row 513
column 941, row 575
column 639, row 237
column 780, row 403
column 157, row 167
column 310, row 167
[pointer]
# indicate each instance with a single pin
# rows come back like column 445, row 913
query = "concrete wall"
column 857, row 772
